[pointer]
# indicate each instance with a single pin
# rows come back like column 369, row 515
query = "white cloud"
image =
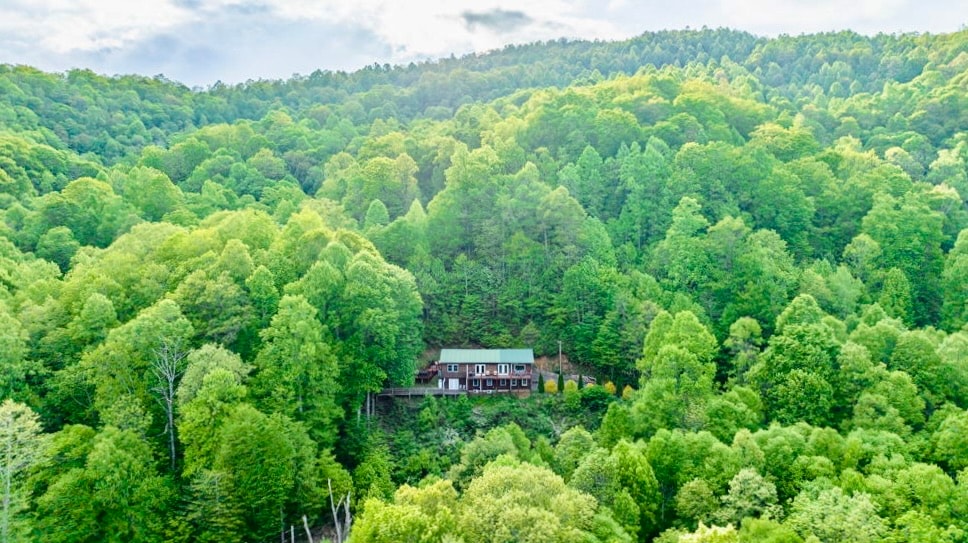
column 798, row 16
column 63, row 26
column 412, row 29
column 614, row 5
column 234, row 40
column 433, row 28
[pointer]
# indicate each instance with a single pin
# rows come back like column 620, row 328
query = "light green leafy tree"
column 831, row 515
column 749, row 496
column 426, row 514
column 21, row 446
column 513, row 501
column 114, row 496
column 296, row 371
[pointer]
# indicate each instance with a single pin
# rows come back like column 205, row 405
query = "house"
column 486, row 370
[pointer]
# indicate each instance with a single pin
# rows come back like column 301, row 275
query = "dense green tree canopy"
column 762, row 242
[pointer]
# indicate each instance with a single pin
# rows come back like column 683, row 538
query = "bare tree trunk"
column 167, row 368
column 347, row 520
column 309, row 534
column 334, row 507
column 342, row 530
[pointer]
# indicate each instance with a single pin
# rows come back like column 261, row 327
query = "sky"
column 199, row 42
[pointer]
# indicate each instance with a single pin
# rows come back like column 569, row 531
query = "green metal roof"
column 486, row 356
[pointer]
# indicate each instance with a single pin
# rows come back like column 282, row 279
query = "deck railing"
column 494, row 374
column 420, row 391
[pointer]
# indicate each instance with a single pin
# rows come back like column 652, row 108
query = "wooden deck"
column 419, row 391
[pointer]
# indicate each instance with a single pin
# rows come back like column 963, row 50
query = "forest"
column 757, row 246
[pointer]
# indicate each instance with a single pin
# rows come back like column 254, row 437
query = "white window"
column 479, row 368
column 475, row 382
column 502, row 369
column 490, row 382
column 519, row 368
column 514, row 383
column 504, row 383
column 524, row 383
column 452, row 368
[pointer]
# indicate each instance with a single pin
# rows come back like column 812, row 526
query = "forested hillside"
column 759, row 247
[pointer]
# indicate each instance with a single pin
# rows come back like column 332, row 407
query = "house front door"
column 453, row 384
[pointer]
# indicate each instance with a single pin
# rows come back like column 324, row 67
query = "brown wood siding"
column 467, row 374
